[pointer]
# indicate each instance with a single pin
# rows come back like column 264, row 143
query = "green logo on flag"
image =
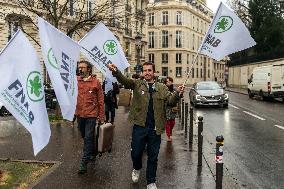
column 224, row 24
column 51, row 59
column 110, row 47
column 34, row 86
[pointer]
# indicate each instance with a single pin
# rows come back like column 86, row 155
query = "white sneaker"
column 135, row 175
column 152, row 186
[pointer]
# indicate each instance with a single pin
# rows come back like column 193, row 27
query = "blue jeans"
column 87, row 129
column 140, row 137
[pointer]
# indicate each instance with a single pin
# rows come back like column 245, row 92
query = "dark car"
column 208, row 93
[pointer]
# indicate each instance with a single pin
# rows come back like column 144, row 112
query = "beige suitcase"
column 104, row 138
column 124, row 97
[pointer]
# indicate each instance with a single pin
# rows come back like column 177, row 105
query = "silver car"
column 208, row 93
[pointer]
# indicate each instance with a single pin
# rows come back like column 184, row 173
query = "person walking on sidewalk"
column 89, row 110
column 148, row 116
column 110, row 100
column 170, row 111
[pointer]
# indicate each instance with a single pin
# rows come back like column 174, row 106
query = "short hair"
column 89, row 65
column 170, row 79
column 150, row 64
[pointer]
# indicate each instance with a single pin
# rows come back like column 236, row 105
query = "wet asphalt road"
column 254, row 140
column 177, row 168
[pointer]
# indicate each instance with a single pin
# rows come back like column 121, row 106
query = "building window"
column 165, row 71
column 90, row 8
column 13, row 28
column 197, row 73
column 178, row 39
column 197, row 25
column 178, row 58
column 151, row 40
column 178, row 71
column 151, row 58
column 208, row 73
column 165, row 18
column 201, row 73
column 165, row 58
column 178, row 18
column 165, row 39
column 71, row 11
column 151, row 19
column 192, row 73
column 193, row 41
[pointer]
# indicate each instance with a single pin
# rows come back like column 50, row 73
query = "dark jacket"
column 110, row 98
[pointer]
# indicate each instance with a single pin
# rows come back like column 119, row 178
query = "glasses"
column 82, row 67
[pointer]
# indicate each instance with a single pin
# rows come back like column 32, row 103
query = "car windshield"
column 207, row 86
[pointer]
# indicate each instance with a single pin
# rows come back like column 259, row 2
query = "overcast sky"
column 213, row 4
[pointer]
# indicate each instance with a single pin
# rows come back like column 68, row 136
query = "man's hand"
column 112, row 67
column 180, row 90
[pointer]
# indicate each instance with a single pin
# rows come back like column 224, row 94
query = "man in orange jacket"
column 89, row 110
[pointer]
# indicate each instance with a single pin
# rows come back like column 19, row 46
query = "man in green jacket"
column 148, row 116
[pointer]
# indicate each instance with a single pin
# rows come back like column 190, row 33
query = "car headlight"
column 197, row 97
column 226, row 96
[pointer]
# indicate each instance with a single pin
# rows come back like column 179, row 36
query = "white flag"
column 101, row 47
column 60, row 57
column 226, row 35
column 22, row 90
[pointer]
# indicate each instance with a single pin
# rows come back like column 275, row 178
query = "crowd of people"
column 152, row 110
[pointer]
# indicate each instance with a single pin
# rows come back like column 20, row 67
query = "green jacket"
column 139, row 106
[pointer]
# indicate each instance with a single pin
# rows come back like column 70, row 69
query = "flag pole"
column 191, row 66
column 198, row 52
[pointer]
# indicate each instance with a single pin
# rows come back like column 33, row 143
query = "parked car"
column 267, row 82
column 50, row 98
column 208, row 93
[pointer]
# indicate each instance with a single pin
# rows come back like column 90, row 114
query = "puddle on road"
column 10, row 127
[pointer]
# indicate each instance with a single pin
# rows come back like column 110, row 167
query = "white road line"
column 280, row 127
column 234, row 106
column 254, row 115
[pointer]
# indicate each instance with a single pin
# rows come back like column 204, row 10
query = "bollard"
column 190, row 137
column 200, row 140
column 179, row 110
column 185, row 121
column 182, row 113
column 219, row 161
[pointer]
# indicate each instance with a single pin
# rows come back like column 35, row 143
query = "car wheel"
column 250, row 94
column 225, row 105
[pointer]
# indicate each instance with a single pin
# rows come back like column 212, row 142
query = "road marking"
column 234, row 106
column 280, row 127
column 254, row 115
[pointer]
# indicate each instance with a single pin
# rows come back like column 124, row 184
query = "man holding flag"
column 89, row 110
column 148, row 116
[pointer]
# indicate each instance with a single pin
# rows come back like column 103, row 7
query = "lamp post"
column 138, row 44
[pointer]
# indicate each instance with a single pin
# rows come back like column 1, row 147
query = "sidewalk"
column 177, row 167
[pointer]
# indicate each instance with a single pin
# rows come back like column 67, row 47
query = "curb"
column 239, row 92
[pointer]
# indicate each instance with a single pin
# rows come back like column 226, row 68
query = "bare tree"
column 73, row 16
column 241, row 9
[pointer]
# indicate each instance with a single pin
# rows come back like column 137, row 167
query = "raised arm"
column 128, row 83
